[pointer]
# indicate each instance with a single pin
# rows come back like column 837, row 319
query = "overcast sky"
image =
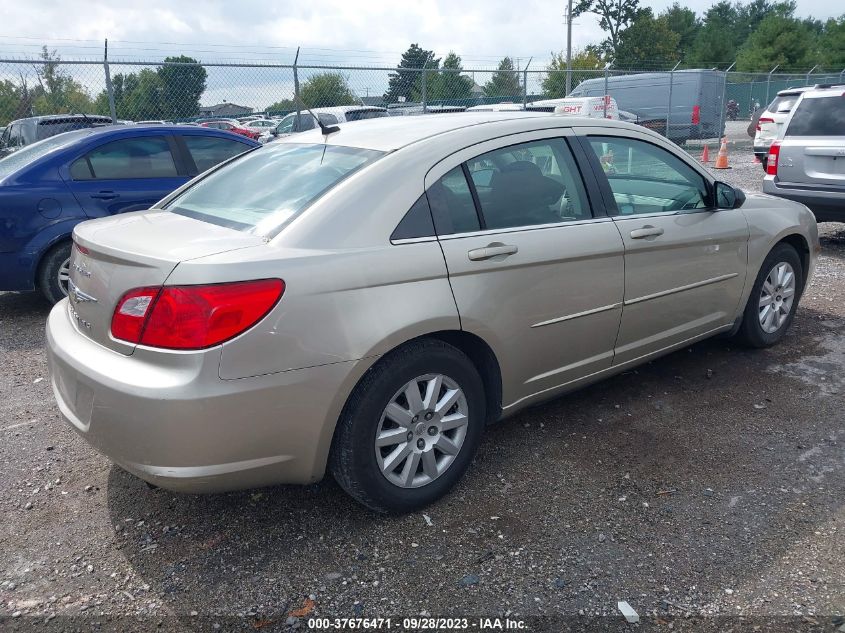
column 366, row 32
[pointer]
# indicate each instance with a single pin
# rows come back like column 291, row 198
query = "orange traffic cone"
column 722, row 158
column 705, row 155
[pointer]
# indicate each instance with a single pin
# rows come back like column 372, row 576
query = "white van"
column 593, row 107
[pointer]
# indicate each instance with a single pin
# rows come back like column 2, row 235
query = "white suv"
column 772, row 119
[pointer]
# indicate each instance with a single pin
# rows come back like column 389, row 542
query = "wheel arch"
column 799, row 243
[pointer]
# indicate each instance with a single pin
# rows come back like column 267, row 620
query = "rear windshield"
column 821, row 116
column 360, row 115
column 262, row 190
column 29, row 153
column 51, row 127
column 783, row 104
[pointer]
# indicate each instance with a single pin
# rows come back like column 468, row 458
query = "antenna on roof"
column 325, row 129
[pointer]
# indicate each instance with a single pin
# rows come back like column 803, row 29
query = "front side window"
column 529, row 184
column 821, row 116
column 131, row 158
column 208, row 151
column 261, row 191
column 645, row 178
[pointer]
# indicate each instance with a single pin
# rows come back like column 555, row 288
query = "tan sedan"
column 367, row 300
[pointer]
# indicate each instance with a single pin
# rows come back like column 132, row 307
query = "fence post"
column 297, row 98
column 807, row 80
column 669, row 109
column 606, row 68
column 109, row 87
column 721, row 130
column 842, row 72
column 769, row 82
column 525, row 83
column 424, row 89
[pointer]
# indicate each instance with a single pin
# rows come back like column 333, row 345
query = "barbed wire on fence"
column 181, row 89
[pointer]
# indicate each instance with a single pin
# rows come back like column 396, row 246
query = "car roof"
column 789, row 92
column 391, row 133
column 825, row 91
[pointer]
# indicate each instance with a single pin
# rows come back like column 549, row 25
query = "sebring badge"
column 76, row 295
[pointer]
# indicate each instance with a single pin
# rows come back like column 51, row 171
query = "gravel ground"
column 707, row 483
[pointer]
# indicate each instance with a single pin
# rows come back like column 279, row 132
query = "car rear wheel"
column 774, row 298
column 54, row 272
column 410, row 428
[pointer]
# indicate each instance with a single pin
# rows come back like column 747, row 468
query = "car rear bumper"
column 177, row 425
column 826, row 205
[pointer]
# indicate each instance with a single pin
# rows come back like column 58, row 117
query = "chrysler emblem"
column 77, row 295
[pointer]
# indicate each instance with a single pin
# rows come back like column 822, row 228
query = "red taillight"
column 772, row 159
column 81, row 249
column 764, row 120
column 193, row 317
column 696, row 115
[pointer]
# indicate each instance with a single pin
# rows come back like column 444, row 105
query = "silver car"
column 367, row 302
column 807, row 161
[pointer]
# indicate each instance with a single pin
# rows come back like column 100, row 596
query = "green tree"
column 449, row 83
column 717, row 40
column 648, row 38
column 11, row 101
column 778, row 40
column 57, row 92
column 407, row 83
column 686, row 24
column 181, row 87
column 504, row 82
column 328, row 89
column 284, row 105
column 141, row 97
column 832, row 43
column 614, row 17
column 554, row 82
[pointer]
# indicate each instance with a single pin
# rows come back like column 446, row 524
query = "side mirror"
column 728, row 197
column 274, row 132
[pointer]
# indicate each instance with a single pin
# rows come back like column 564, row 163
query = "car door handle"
column 646, row 231
column 492, row 250
column 105, row 195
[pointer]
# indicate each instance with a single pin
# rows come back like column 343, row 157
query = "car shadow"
column 22, row 316
column 684, row 471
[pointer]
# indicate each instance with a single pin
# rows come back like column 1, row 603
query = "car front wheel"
column 774, row 298
column 410, row 428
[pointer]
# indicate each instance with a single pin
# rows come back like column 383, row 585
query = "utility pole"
column 568, row 18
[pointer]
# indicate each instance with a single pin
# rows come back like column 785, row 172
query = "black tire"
column 764, row 162
column 353, row 460
column 751, row 331
column 48, row 272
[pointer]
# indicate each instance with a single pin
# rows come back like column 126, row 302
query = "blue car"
column 49, row 187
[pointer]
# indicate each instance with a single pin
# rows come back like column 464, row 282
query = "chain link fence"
column 681, row 104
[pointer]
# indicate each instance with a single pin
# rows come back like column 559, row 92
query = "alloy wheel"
column 421, row 431
column 777, row 297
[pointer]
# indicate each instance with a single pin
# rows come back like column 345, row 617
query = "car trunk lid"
column 114, row 255
column 813, row 161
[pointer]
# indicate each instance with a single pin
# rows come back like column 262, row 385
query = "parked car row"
column 806, row 162
column 48, row 187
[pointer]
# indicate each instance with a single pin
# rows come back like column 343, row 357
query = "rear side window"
column 452, row 205
column 529, row 184
column 416, row 223
column 208, row 151
column 783, row 104
column 821, row 116
column 130, row 158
